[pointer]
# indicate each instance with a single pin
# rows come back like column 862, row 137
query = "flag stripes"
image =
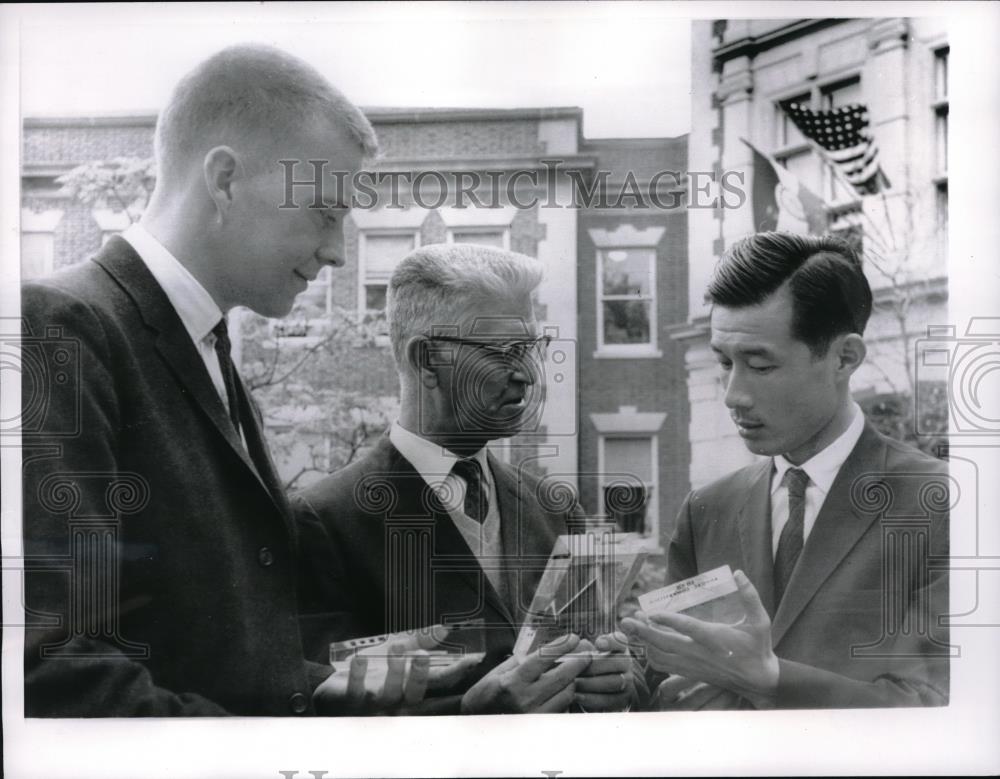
column 845, row 136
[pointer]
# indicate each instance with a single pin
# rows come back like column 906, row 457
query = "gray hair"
column 249, row 91
column 444, row 284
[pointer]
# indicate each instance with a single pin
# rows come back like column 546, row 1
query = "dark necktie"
column 476, row 503
column 792, row 534
column 241, row 413
column 222, row 348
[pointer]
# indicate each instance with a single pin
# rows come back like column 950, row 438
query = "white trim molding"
column 628, row 421
column 625, row 236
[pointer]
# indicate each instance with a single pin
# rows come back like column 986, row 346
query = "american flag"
column 844, row 135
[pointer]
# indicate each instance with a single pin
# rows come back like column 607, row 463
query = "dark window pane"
column 626, row 322
column 375, row 297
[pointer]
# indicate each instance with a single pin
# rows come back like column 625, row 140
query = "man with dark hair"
column 160, row 569
column 833, row 534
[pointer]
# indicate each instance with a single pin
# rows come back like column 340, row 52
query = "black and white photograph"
column 374, row 371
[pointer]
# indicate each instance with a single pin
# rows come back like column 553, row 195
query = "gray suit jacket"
column 862, row 619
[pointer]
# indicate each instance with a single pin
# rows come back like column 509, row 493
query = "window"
column 941, row 74
column 626, row 309
column 485, row 236
column 787, row 134
column 833, row 96
column 628, row 482
column 841, row 94
column 940, row 106
column 941, row 213
column 380, row 254
column 38, row 234
column 37, row 254
column 793, row 150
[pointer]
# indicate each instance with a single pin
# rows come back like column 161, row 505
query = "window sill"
column 634, row 353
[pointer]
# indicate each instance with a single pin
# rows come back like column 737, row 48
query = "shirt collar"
column 432, row 461
column 822, row 467
column 198, row 312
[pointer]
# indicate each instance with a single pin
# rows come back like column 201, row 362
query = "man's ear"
column 220, row 168
column 418, row 356
column 850, row 353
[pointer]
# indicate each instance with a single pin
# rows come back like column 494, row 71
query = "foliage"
column 896, row 416
column 314, row 427
column 123, row 184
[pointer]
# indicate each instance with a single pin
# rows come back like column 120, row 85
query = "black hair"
column 830, row 293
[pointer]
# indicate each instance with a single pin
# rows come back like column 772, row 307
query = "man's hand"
column 680, row 694
column 738, row 658
column 608, row 683
column 363, row 690
column 537, row 683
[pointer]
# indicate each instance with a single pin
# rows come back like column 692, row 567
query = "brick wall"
column 649, row 384
column 438, row 140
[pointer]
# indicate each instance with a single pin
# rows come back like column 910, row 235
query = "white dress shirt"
column 195, row 307
column 434, row 463
column 822, row 468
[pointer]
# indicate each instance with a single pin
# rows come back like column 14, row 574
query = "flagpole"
column 888, row 219
column 850, row 188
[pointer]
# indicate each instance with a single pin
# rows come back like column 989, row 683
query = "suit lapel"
column 838, row 527
column 754, row 523
column 526, row 539
column 450, row 548
column 173, row 342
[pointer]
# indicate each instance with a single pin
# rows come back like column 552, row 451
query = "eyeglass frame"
column 500, row 347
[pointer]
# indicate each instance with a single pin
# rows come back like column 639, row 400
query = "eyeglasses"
column 512, row 351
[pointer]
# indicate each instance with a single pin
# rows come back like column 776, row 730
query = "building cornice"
column 377, row 115
column 423, row 115
column 751, row 45
column 104, row 120
column 452, row 164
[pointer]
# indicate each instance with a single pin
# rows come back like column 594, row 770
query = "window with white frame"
column 626, row 310
column 38, row 240
column 485, row 236
column 485, row 226
column 629, row 482
column 380, row 252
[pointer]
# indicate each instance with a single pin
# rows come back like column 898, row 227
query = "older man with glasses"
column 429, row 527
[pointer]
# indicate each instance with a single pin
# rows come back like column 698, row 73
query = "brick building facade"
column 616, row 399
column 743, row 72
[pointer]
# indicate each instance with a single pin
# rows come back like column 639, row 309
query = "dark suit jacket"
column 383, row 554
column 860, row 622
column 138, row 491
